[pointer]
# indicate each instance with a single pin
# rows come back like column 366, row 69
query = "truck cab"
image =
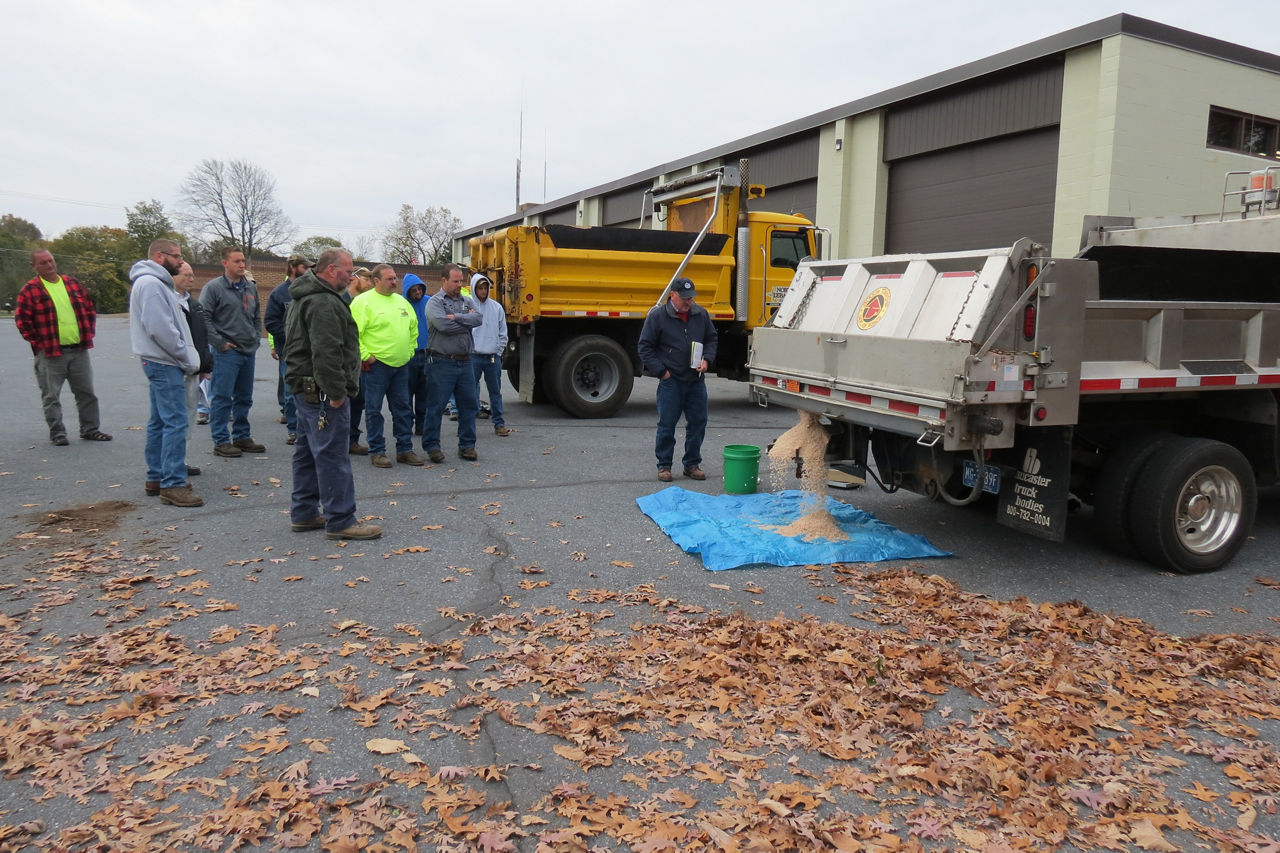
column 576, row 298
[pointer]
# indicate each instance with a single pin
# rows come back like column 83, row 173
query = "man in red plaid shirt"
column 56, row 316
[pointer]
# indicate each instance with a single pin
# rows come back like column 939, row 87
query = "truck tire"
column 1193, row 505
column 589, row 376
column 1113, row 493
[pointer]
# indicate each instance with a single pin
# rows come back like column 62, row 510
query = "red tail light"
column 1029, row 322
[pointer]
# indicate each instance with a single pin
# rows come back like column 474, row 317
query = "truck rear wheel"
column 1113, row 493
column 1193, row 505
column 590, row 376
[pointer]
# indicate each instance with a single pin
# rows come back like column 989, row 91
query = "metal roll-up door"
column 562, row 216
column 801, row 198
column 976, row 196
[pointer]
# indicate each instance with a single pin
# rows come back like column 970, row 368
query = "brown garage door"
column 977, row 196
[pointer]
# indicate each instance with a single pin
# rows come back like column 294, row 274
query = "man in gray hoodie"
column 161, row 339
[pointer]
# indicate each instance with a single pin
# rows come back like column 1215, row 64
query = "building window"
column 1244, row 133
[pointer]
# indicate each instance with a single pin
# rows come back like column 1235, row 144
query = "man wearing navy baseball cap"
column 677, row 345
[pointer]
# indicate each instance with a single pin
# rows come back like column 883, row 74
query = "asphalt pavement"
column 546, row 516
column 582, row 475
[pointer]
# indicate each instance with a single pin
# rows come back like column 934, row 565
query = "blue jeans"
column 357, row 410
column 674, row 399
column 381, row 381
column 489, row 368
column 321, row 466
column 286, row 402
column 445, row 378
column 166, row 447
column 230, row 395
column 418, row 387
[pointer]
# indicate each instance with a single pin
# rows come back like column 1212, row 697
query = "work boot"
column 180, row 496
column 410, row 458
column 468, row 453
column 501, row 430
column 380, row 460
column 248, row 445
column 193, row 471
column 664, row 475
column 356, row 531
column 152, row 488
column 228, row 450
column 316, row 523
column 695, row 473
column 357, row 449
column 436, row 455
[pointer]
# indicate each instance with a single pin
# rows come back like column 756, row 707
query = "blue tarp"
column 728, row 530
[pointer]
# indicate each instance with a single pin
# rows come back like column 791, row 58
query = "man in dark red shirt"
column 56, row 316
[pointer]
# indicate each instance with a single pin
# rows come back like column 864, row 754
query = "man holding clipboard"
column 677, row 345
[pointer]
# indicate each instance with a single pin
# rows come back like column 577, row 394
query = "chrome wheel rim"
column 594, row 377
column 1209, row 511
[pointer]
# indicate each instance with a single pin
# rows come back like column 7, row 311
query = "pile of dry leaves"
column 932, row 719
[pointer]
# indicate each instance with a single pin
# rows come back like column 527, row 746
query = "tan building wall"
column 1134, row 120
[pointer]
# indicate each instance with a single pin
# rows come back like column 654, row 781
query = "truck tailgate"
column 890, row 335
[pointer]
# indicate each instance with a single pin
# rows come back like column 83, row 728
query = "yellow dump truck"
column 576, row 298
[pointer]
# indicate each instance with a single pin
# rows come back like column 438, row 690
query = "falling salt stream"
column 809, row 440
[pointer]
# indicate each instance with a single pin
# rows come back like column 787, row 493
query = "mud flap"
column 1033, row 496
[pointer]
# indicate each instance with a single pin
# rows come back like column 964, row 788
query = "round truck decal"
column 873, row 308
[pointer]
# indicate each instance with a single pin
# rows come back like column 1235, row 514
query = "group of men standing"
column 335, row 345
column 179, row 343
column 373, row 346
column 346, row 349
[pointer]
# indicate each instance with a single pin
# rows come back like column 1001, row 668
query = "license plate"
column 990, row 476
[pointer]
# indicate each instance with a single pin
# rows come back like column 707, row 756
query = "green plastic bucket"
column 741, row 468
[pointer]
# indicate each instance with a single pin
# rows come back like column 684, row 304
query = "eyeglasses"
column 172, row 254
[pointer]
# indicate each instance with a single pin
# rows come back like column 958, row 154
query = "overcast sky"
column 358, row 107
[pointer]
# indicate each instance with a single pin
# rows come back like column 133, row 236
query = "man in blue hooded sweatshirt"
column 416, row 292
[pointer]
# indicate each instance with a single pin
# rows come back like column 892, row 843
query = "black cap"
column 684, row 288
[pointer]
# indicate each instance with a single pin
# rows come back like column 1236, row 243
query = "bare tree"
column 364, row 248
column 235, row 204
column 421, row 238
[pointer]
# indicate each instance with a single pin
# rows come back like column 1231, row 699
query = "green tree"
column 313, row 246
column 424, row 237
column 146, row 221
column 100, row 258
column 18, row 237
column 23, row 229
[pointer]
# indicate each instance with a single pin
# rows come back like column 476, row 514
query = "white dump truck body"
column 1033, row 373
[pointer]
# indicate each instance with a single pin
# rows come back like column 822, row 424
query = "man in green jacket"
column 322, row 368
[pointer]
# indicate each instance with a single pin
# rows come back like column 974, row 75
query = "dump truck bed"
column 915, row 342
column 565, row 271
